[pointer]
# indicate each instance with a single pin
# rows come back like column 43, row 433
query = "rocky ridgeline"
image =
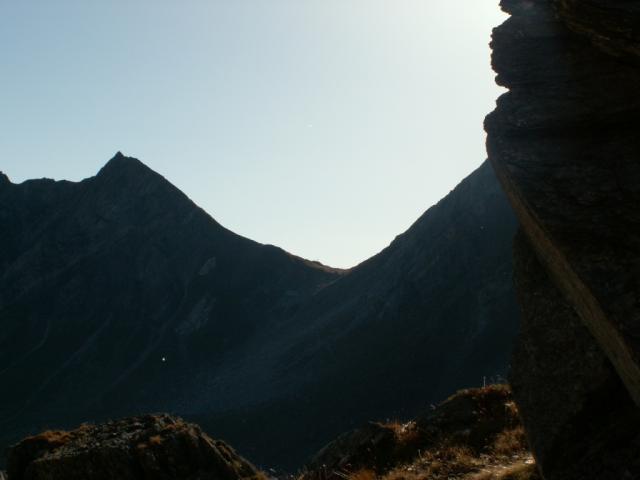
column 564, row 143
column 119, row 296
column 149, row 447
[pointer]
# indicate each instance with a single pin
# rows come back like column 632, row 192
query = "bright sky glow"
column 325, row 127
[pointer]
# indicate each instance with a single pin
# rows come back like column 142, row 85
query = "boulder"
column 159, row 447
column 564, row 144
column 563, row 141
column 471, row 420
column 580, row 420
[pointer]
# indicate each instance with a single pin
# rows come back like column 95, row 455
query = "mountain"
column 119, row 296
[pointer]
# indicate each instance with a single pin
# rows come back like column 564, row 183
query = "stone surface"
column 564, row 144
column 152, row 447
column 471, row 417
column 368, row 446
column 470, row 420
column 580, row 420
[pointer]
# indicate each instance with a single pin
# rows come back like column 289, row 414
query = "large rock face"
column 581, row 422
column 564, row 144
column 119, row 296
column 153, row 447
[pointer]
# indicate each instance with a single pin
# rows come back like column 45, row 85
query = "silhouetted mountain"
column 119, row 296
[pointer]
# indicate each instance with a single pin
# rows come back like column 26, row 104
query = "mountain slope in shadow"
column 120, row 296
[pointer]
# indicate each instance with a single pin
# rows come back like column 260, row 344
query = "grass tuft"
column 54, row 438
column 510, row 442
column 364, row 474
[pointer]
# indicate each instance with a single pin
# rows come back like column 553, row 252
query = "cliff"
column 564, row 144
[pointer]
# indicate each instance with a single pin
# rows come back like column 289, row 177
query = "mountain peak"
column 119, row 160
column 122, row 166
column 4, row 179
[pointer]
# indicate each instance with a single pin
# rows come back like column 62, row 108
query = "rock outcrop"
column 152, row 447
column 581, row 422
column 469, row 433
column 565, row 146
column 119, row 296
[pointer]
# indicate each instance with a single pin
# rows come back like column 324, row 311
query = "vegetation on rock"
column 151, row 447
column 475, row 434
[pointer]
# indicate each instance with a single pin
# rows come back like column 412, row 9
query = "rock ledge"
column 147, row 447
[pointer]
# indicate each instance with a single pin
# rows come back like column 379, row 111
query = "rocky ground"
column 148, row 447
column 475, row 435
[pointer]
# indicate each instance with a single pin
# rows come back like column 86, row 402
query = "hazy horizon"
column 323, row 127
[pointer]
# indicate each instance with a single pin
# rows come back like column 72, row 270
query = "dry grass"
column 437, row 465
column 55, row 438
column 364, row 474
column 408, row 437
column 510, row 442
column 172, row 427
column 474, row 435
column 519, row 471
column 453, row 460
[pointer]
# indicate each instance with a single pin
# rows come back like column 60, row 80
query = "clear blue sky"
column 325, row 127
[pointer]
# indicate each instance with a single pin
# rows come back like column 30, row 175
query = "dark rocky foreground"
column 472, row 433
column 151, row 447
column 119, row 296
column 564, row 143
